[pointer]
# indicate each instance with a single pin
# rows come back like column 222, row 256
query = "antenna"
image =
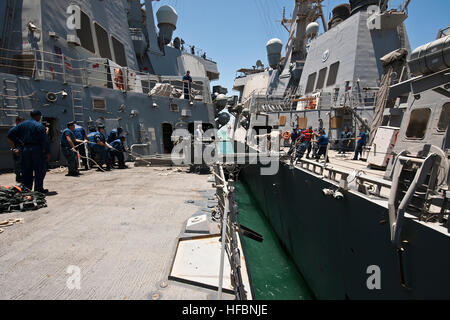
column 405, row 6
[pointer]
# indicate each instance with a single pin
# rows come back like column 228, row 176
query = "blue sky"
column 234, row 32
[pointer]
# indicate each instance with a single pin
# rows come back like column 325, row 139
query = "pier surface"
column 119, row 228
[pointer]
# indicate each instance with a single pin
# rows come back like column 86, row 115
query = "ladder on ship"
column 78, row 115
column 77, row 104
column 10, row 99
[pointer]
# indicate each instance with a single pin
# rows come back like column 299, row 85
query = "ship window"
column 119, row 52
column 99, row 104
column 311, row 82
column 321, row 79
column 444, row 119
column 332, row 75
column 85, row 33
column 418, row 123
column 174, row 107
column 103, row 42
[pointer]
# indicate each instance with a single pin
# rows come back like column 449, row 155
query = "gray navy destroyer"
column 100, row 62
column 345, row 220
column 112, row 64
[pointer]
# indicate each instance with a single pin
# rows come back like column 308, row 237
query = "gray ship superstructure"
column 104, row 62
column 345, row 221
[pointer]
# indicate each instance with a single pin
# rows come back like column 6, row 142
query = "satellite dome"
column 167, row 15
column 274, row 47
column 167, row 23
column 312, row 29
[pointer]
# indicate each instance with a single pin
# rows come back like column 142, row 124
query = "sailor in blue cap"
column 80, row 146
column 346, row 139
column 115, row 134
column 323, row 142
column 91, row 144
column 35, row 152
column 360, row 143
column 68, row 141
column 101, row 147
column 117, row 152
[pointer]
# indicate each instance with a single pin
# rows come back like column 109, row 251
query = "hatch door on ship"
column 167, row 130
column 54, row 137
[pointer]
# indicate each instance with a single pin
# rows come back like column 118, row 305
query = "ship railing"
column 327, row 100
column 101, row 72
column 259, row 101
column 358, row 99
column 227, row 209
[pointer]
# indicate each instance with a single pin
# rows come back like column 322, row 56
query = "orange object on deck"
column 118, row 79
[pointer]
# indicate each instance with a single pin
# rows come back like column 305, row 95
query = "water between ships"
column 272, row 272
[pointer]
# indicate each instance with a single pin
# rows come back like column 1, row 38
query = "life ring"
column 118, row 79
column 286, row 135
column 312, row 104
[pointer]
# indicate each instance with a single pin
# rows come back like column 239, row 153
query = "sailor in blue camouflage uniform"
column 101, row 148
column 323, row 142
column 360, row 143
column 346, row 138
column 80, row 146
column 302, row 147
column 91, row 143
column 117, row 152
column 35, row 153
column 295, row 134
column 115, row 134
column 68, row 142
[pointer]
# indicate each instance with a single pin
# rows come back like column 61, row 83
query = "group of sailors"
column 77, row 144
column 30, row 147
column 302, row 143
column 305, row 141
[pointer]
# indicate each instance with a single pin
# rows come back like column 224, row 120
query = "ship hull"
column 336, row 243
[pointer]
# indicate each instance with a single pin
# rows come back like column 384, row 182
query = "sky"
column 234, row 33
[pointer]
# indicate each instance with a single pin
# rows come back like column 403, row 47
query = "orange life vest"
column 308, row 135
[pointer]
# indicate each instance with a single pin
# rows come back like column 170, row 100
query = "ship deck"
column 346, row 164
column 119, row 228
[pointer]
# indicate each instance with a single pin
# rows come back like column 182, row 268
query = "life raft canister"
column 286, row 135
